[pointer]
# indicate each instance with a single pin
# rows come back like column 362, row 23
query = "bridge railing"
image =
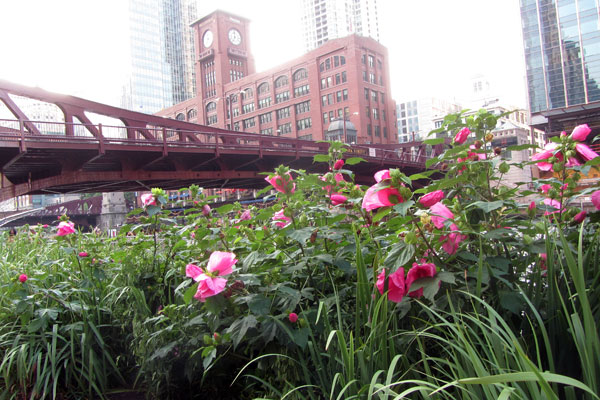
column 414, row 153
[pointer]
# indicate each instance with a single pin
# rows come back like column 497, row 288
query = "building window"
column 281, row 97
column 283, row 113
column 344, row 79
column 385, row 132
column 363, row 59
column 371, row 61
column 369, row 130
column 263, row 88
column 304, row 123
column 328, row 63
column 382, row 98
column 372, row 78
column 331, row 116
column 379, row 66
column 374, row 96
column 211, row 119
column 367, row 94
column 248, row 123
column 364, row 74
column 300, row 75
column 324, row 83
column 322, row 67
column 281, row 81
column 338, row 96
column 330, row 98
column 375, row 113
column 345, row 94
column 247, row 93
column 306, row 137
column 266, row 102
column 368, row 110
column 191, row 114
column 337, row 79
column 212, row 106
column 303, row 107
column 264, row 118
column 301, row 90
column 383, row 115
column 325, row 118
column 246, row 108
column 180, row 117
column 377, row 131
column 284, row 128
column 267, row 131
column 342, row 60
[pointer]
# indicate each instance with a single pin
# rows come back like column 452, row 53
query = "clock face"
column 207, row 39
column 235, row 37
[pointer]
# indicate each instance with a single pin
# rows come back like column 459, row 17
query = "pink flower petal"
column 221, row 262
column 440, row 214
column 193, row 271
column 580, row 132
column 419, row 271
column 596, row 199
column 585, row 152
column 382, row 175
column 431, row 198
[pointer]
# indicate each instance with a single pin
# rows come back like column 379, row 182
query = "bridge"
column 136, row 151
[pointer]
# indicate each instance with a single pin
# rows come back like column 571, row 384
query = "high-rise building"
column 340, row 89
column 416, row 118
column 161, row 54
column 562, row 55
column 323, row 20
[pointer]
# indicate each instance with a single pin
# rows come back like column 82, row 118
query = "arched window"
column 212, row 106
column 281, row 81
column 300, row 74
column 263, row 88
column 180, row 117
column 191, row 114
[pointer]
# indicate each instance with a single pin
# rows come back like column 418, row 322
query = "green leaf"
column 447, row 277
column 301, row 337
column 321, row 158
column 354, row 160
column 239, row 328
column 383, row 211
column 402, row 208
column 215, row 304
column 153, row 210
column 487, row 206
column 519, row 147
column 422, row 175
column 259, row 305
column 399, row 256
column 434, row 141
column 208, row 355
column 189, row 293
column 501, row 263
column 512, row 302
column 301, row 235
column 225, row 209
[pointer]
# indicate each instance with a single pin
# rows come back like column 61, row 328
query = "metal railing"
column 415, row 153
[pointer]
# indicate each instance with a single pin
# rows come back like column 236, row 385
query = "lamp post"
column 345, row 136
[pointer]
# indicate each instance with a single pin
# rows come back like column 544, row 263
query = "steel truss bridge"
column 136, row 151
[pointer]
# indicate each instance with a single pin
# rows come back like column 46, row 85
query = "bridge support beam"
column 113, row 211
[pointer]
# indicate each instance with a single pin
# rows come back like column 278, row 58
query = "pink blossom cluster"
column 398, row 286
column 209, row 281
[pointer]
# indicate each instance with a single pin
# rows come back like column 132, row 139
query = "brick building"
column 341, row 87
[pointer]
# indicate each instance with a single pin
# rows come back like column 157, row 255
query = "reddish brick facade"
column 347, row 76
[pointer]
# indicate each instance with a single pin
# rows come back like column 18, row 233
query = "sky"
column 435, row 47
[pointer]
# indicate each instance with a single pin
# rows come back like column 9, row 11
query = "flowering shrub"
column 315, row 294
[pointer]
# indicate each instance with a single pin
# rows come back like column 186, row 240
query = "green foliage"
column 302, row 314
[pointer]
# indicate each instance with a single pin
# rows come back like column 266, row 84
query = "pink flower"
column 338, row 178
column 281, row 221
column 337, row 199
column 585, row 152
column 396, row 287
column 83, row 254
column 552, row 203
column 338, row 164
column 596, row 199
column 451, row 241
column 221, row 262
column 580, row 217
column 209, row 282
column 419, row 271
column 532, row 206
column 206, row 210
column 462, row 135
column 246, row 215
column 65, row 228
column 148, row 199
column 431, row 198
column 544, row 155
column 544, row 188
column 193, row 235
column 45, row 226
column 293, row 317
column 282, row 184
column 440, row 214
column 543, row 259
column 580, row 132
column 23, row 278
column 379, row 195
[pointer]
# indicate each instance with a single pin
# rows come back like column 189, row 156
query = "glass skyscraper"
column 161, row 54
column 562, row 55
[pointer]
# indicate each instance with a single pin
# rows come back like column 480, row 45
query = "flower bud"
column 489, row 137
column 23, row 278
column 478, row 144
column 497, row 151
column 206, row 210
column 293, row 317
column 503, row 168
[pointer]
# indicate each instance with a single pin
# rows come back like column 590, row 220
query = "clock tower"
column 223, row 57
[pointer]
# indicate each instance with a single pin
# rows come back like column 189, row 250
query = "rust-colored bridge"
column 137, row 151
